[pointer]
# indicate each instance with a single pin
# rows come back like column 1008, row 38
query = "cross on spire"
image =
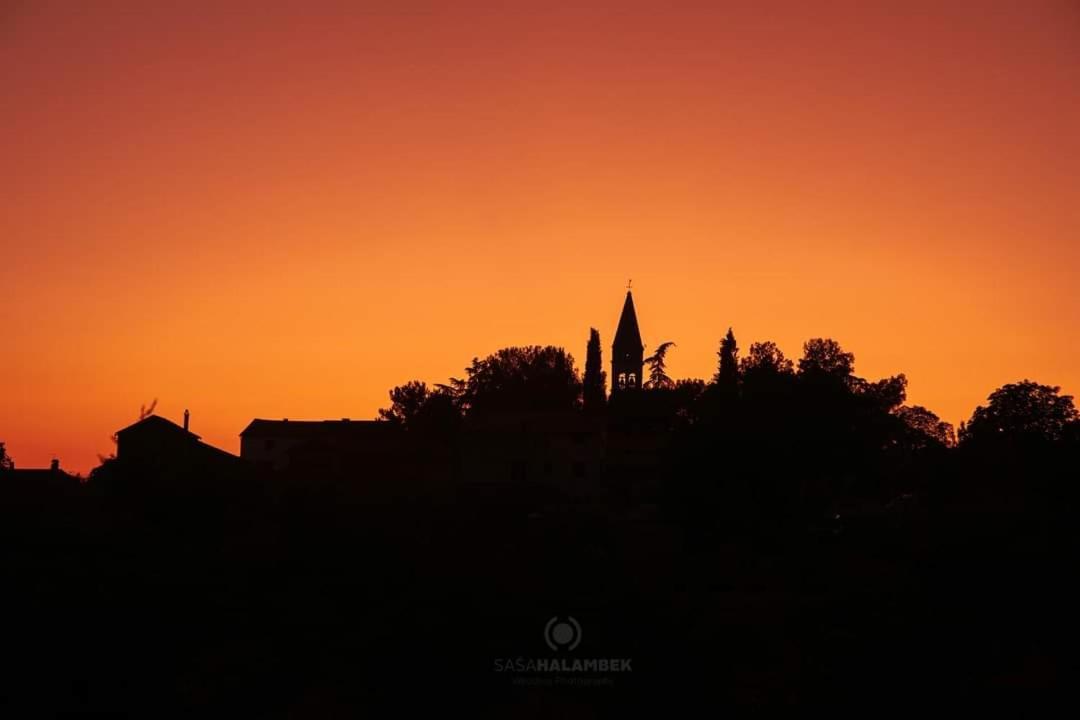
column 629, row 283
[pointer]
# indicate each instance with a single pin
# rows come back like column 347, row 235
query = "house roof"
column 157, row 423
column 37, row 474
column 314, row 428
column 627, row 335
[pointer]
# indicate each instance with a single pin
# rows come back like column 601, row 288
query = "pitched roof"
column 313, row 428
column 627, row 334
column 156, row 422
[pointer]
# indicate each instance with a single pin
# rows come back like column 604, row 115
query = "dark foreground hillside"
column 772, row 539
column 151, row 596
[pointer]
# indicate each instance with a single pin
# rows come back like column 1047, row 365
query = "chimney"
column 55, row 465
column 187, row 419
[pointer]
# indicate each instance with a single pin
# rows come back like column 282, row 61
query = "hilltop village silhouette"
column 339, row 445
column 759, row 540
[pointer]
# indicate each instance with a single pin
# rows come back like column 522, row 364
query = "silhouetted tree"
column 825, row 357
column 454, row 389
column 886, row 394
column 926, row 427
column 440, row 414
column 687, row 393
column 406, row 403
column 1023, row 410
column 765, row 358
column 522, row 379
column 690, row 387
column 658, row 377
column 6, row 463
column 727, row 372
column 594, row 392
column 418, row 408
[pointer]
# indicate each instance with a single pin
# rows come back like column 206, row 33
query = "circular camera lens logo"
column 562, row 634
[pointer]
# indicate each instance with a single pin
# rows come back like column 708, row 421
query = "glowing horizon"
column 284, row 212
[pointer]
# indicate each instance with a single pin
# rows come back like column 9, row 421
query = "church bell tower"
column 627, row 352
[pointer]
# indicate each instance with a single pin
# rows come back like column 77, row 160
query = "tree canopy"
column 765, row 358
column 522, row 379
column 657, row 362
column 825, row 357
column 1023, row 410
column 926, row 427
column 418, row 408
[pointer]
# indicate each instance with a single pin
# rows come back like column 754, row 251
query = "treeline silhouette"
column 784, row 534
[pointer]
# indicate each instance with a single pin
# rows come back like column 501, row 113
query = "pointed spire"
column 627, row 335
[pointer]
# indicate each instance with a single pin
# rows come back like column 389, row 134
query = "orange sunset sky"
column 284, row 209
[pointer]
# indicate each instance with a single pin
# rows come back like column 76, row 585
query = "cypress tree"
column 727, row 373
column 594, row 393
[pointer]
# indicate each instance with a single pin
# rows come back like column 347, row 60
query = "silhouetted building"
column 155, row 441
column 319, row 445
column 627, row 351
column 555, row 448
column 44, row 479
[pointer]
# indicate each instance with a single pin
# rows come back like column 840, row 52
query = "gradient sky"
column 275, row 210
